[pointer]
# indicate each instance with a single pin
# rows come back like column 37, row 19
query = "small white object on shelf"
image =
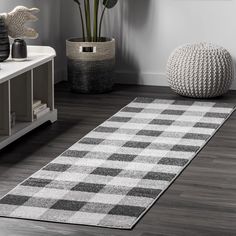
column 36, row 103
column 40, row 108
column 24, row 86
column 42, row 113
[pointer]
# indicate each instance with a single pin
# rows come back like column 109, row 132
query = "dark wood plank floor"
column 202, row 201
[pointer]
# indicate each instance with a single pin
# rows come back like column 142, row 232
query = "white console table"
column 20, row 84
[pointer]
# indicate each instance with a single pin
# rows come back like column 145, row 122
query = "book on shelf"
column 36, row 103
column 39, row 108
column 42, row 113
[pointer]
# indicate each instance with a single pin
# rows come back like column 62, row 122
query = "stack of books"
column 39, row 108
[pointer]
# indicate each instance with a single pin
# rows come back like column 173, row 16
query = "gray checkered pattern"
column 114, row 174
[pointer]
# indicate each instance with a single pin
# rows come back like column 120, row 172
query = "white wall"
column 48, row 25
column 147, row 31
column 151, row 29
column 70, row 27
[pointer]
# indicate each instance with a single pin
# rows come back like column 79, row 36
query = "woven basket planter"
column 90, row 65
column 200, row 70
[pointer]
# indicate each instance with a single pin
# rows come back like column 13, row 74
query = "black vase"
column 4, row 41
column 19, row 50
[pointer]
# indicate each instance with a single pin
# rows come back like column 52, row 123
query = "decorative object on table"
column 15, row 23
column 91, row 59
column 113, row 175
column 19, row 50
column 200, row 70
column 4, row 41
column 16, row 20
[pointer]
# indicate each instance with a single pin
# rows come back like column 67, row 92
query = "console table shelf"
column 20, row 84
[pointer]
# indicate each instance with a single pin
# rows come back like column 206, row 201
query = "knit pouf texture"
column 202, row 70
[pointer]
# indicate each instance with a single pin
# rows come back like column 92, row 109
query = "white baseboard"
column 151, row 79
column 157, row 79
column 127, row 77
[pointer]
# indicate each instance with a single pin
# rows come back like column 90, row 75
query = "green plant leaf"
column 109, row 3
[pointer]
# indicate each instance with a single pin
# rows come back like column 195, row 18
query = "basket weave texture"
column 200, row 70
column 90, row 71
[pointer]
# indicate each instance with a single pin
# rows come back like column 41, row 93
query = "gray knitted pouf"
column 200, row 70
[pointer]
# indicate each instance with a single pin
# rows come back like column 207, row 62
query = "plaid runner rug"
column 113, row 175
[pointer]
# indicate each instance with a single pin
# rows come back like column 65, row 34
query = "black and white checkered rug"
column 112, row 176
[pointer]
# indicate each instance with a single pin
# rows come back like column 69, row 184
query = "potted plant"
column 91, row 58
